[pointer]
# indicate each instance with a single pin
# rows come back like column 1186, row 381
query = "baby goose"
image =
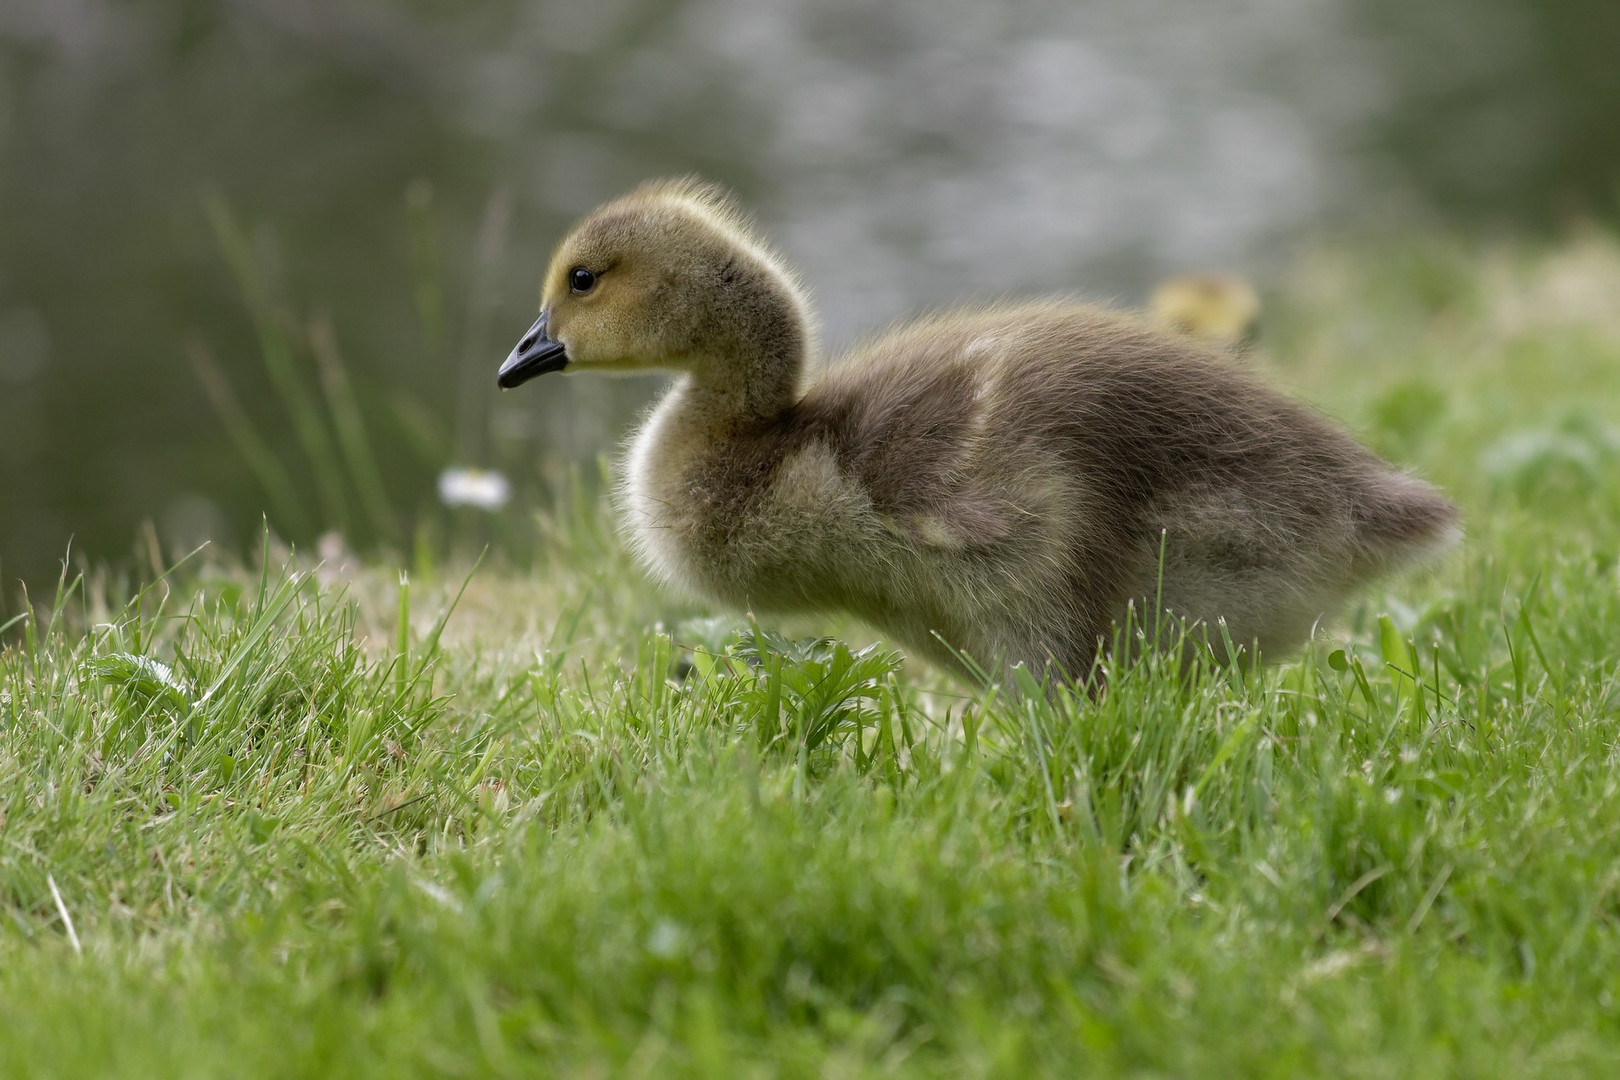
column 1000, row 482
column 1221, row 309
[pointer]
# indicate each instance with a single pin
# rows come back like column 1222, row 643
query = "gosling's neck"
column 685, row 468
column 752, row 373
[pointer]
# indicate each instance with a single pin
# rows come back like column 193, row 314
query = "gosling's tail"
column 1402, row 521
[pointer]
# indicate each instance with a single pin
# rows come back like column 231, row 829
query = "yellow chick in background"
column 1222, row 309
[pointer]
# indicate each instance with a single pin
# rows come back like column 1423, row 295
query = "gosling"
column 1220, row 309
column 988, row 486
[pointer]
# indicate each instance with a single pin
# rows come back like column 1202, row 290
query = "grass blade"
column 254, row 449
column 276, row 351
column 351, row 430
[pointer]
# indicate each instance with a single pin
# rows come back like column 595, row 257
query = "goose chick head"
column 1220, row 309
column 669, row 277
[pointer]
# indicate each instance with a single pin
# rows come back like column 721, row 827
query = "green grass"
column 343, row 835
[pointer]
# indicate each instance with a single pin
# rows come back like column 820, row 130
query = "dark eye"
column 581, row 280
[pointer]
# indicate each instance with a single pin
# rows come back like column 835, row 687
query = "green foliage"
column 805, row 693
column 305, row 823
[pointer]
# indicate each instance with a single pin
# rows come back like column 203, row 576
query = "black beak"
column 535, row 355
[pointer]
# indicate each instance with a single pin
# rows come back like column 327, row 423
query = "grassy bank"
column 301, row 819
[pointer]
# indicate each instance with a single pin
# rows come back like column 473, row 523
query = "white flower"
column 485, row 489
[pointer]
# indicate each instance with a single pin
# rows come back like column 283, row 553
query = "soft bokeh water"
column 402, row 169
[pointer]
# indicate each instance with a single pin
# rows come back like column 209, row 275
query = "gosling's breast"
column 756, row 520
column 650, row 497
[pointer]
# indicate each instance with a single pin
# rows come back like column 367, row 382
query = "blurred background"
column 262, row 257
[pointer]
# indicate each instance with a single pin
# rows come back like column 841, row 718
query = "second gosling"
column 1218, row 309
column 999, row 483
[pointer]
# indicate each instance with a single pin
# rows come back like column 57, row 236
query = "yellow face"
column 1216, row 307
column 602, row 301
column 630, row 289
